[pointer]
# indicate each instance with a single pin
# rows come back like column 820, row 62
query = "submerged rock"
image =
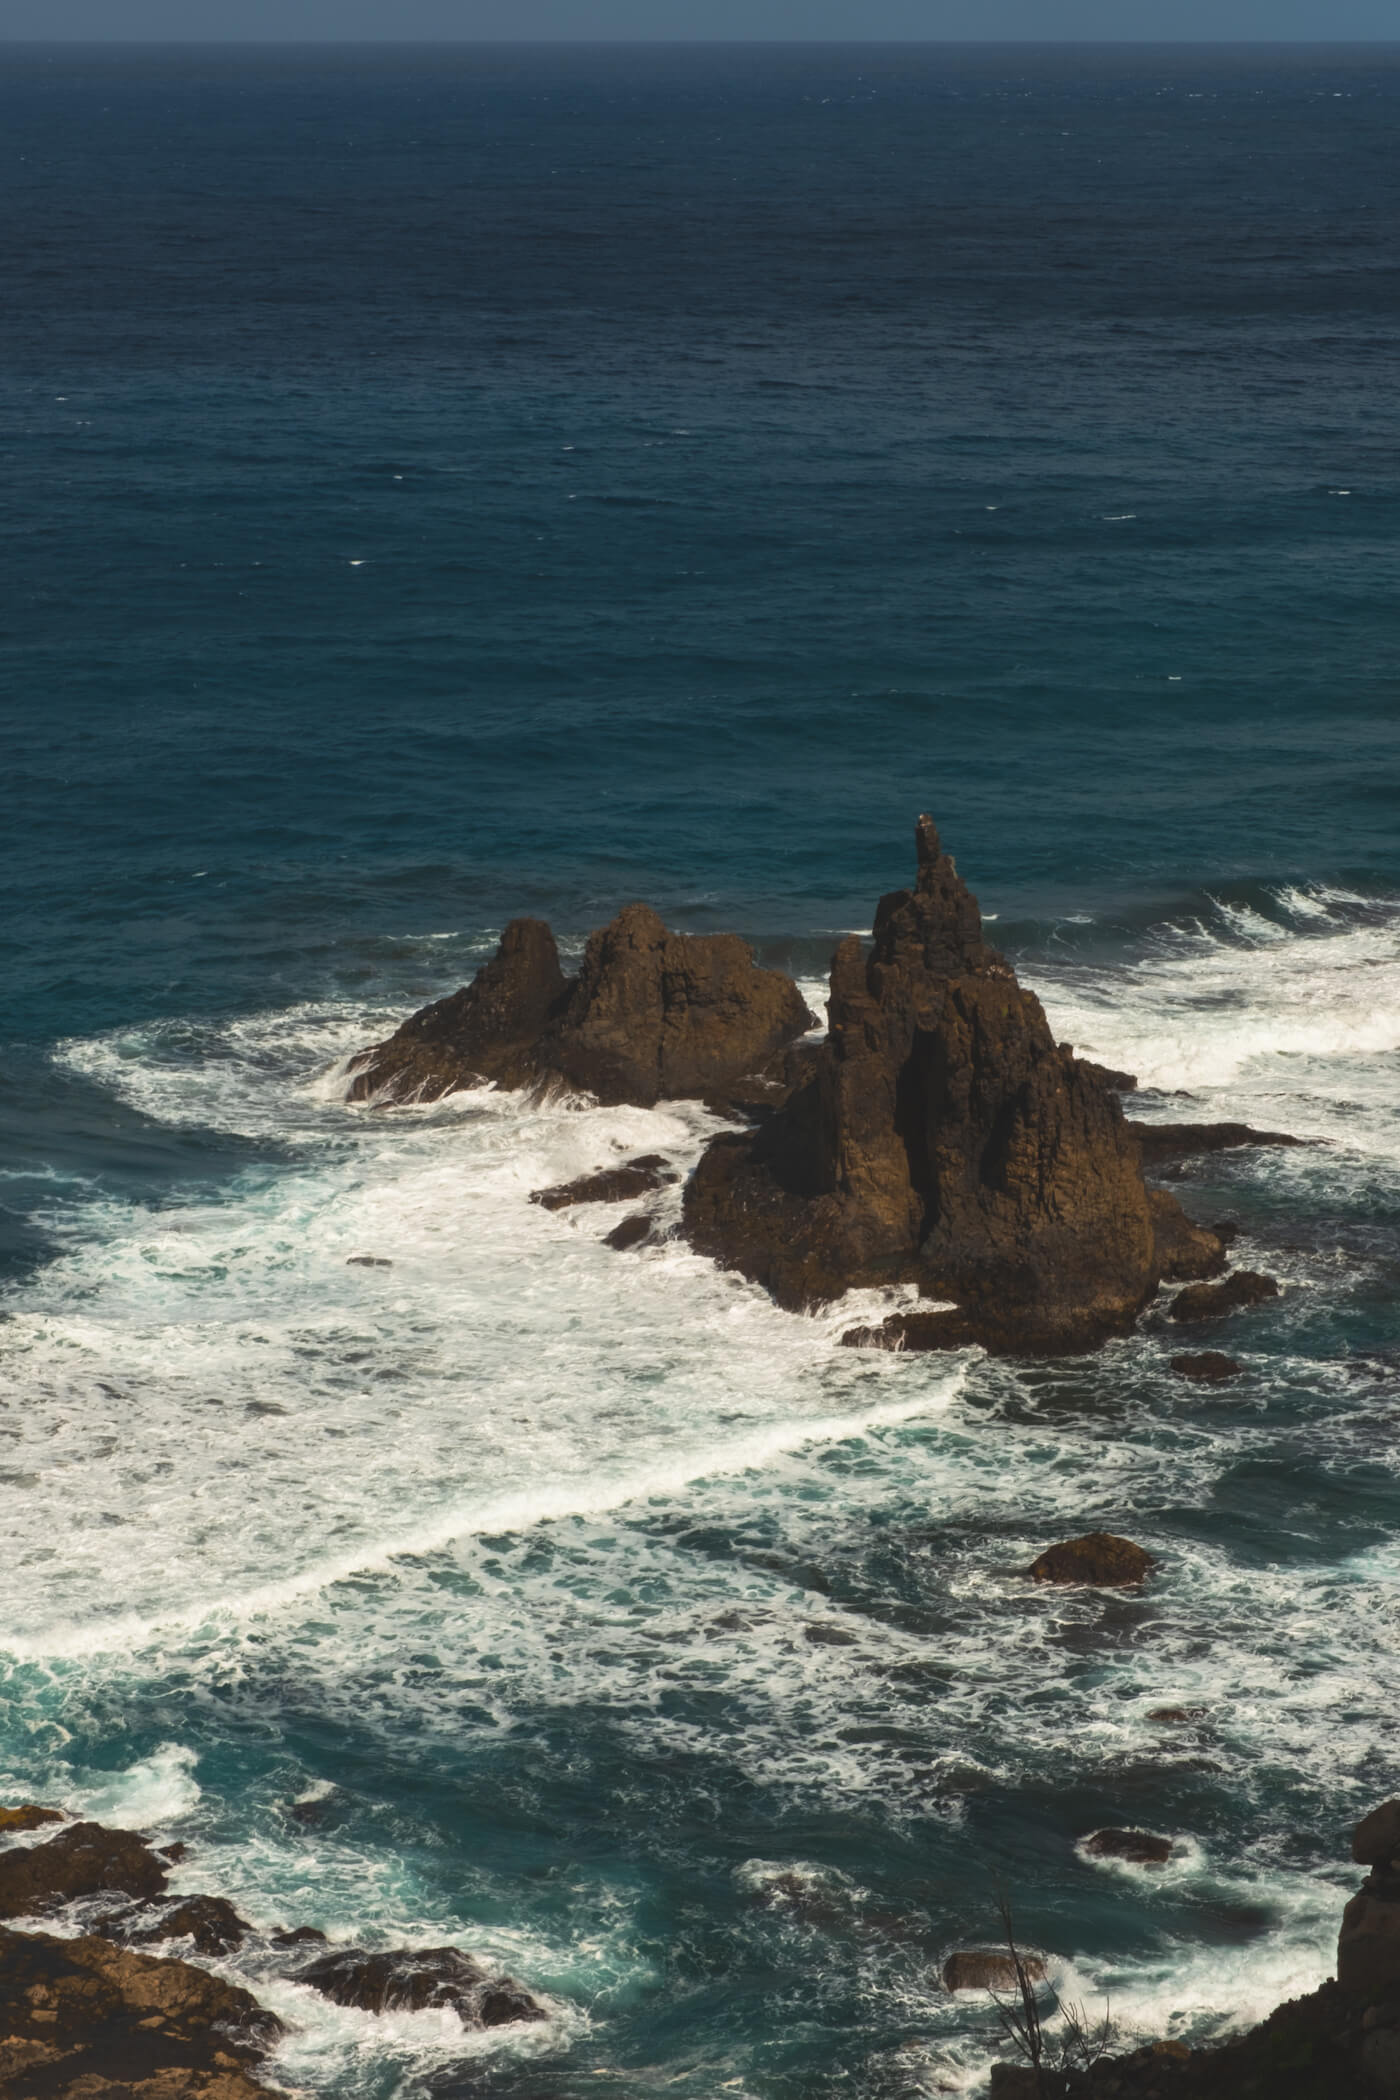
column 1100, row 1559
column 1210, row 1367
column 639, row 1177
column 942, row 1137
column 85, row 1859
column 983, row 1969
column 652, row 1015
column 85, row 2019
column 1211, row 1301
column 406, row 1979
column 1139, row 1847
column 632, row 1232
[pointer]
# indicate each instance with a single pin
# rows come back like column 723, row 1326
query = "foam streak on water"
column 623, row 1628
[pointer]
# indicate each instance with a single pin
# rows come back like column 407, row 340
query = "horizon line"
column 695, row 43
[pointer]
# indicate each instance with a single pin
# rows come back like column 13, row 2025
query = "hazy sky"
column 283, row 20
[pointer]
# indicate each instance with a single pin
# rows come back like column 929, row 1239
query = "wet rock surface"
column 1162, row 1141
column 637, row 1177
column 632, row 1232
column 1339, row 2042
column 413, row 1979
column 652, row 1015
column 1140, row 1848
column 81, row 2019
column 210, row 1922
column 85, row 1859
column 988, row 1969
column 1212, row 1301
column 29, row 1816
column 1208, row 1367
column 1099, row 1559
column 942, row 1137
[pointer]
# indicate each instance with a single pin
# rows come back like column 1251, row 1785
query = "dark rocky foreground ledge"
column 1339, row 2042
column 938, row 1137
column 90, row 2018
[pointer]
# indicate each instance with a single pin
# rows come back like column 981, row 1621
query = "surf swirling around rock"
column 938, row 1136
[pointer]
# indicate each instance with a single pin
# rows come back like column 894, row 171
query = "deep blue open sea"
column 443, row 484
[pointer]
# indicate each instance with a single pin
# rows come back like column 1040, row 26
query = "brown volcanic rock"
column 945, row 1138
column 211, row 1922
column 652, row 1015
column 638, row 1177
column 1186, row 1253
column 406, row 1979
column 1158, row 1141
column 85, row 1859
column 1209, row 1367
column 486, row 1031
column 1210, row 1301
column 28, row 1817
column 1100, row 1559
column 986, row 1969
column 657, row 1016
column 1141, row 1848
column 81, row 2019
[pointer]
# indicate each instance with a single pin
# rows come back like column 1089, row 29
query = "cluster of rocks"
column 938, row 1136
column 90, row 2018
column 1339, row 2042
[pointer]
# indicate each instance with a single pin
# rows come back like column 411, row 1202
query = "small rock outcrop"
column 210, row 1922
column 652, row 1015
column 1208, row 1367
column 983, row 1969
column 1140, row 1848
column 1211, row 1301
column 29, row 1816
column 85, row 1859
column 81, row 2019
column 638, row 1177
column 1161, row 1141
column 414, row 1979
column 941, row 1136
column 1099, row 1560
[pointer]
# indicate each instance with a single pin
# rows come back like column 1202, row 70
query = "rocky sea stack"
column 941, row 1137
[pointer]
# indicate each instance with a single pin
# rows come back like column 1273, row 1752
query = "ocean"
column 440, row 485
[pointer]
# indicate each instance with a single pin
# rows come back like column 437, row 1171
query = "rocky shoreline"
column 88, row 2017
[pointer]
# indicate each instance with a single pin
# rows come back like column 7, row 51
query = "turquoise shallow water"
column 442, row 486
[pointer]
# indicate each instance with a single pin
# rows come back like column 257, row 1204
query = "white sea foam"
column 236, row 1457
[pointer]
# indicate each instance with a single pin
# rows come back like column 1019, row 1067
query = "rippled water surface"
column 439, row 487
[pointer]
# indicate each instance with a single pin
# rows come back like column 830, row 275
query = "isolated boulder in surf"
column 652, row 1015
column 944, row 1138
column 420, row 1979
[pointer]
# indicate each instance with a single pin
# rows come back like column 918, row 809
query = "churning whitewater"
column 360, row 1479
